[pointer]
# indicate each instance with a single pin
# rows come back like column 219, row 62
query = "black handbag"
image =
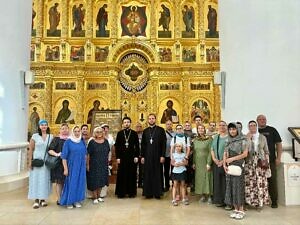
column 37, row 163
column 40, row 162
column 52, row 161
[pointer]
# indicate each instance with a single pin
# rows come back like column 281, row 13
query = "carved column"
column 113, row 19
column 177, row 18
column 152, row 94
column 39, row 18
column 89, row 19
column 79, row 97
column 152, row 21
column 186, row 97
column 48, row 95
column 64, row 17
column 217, row 103
column 114, row 100
column 201, row 16
column 89, row 29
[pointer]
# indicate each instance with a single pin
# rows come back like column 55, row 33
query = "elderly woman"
column 55, row 149
column 202, row 165
column 74, row 162
column 235, row 152
column 256, row 174
column 97, row 164
column 39, row 177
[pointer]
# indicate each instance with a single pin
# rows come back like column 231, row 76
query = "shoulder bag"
column 40, row 162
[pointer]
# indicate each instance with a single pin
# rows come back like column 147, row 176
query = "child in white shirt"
column 179, row 173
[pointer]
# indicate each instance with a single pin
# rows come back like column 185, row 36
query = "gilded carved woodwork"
column 137, row 74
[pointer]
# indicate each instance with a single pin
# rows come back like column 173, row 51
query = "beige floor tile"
column 15, row 208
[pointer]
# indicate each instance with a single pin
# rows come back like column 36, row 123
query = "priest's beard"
column 152, row 124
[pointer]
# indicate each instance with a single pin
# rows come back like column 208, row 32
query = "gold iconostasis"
column 135, row 56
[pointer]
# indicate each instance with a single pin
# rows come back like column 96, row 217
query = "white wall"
column 260, row 53
column 15, row 23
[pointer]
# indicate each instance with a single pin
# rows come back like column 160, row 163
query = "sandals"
column 238, row 215
column 43, row 203
column 100, row 200
column 36, row 205
column 174, row 203
column 233, row 214
column 185, row 202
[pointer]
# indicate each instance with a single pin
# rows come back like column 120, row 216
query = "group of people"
column 223, row 166
column 83, row 163
column 227, row 168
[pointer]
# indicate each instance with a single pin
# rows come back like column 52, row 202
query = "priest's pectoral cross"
column 126, row 144
column 151, row 141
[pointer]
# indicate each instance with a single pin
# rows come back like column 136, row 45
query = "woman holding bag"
column 39, row 177
column 55, row 149
column 235, row 152
column 256, row 175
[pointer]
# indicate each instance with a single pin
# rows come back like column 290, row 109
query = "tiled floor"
column 16, row 209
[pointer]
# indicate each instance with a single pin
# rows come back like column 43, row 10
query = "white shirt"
column 182, row 141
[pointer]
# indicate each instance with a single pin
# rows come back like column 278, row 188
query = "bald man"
column 275, row 149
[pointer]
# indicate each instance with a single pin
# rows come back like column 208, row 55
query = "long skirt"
column 256, row 185
column 235, row 190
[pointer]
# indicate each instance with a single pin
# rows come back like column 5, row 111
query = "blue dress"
column 97, row 177
column 75, row 183
column 39, row 177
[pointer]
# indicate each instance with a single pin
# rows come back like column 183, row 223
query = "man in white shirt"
column 197, row 121
column 181, row 138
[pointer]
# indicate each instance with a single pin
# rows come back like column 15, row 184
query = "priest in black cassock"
column 152, row 153
column 127, row 153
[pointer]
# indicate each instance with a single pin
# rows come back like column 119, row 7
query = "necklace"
column 127, row 138
column 151, row 135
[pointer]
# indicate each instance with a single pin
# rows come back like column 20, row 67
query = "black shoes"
column 274, row 206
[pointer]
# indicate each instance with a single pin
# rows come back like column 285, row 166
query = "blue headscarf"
column 43, row 122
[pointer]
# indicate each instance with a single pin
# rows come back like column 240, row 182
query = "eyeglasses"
column 179, row 128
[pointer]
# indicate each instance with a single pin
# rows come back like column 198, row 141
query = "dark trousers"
column 167, row 171
column 190, row 174
column 140, row 174
column 219, row 184
column 272, row 181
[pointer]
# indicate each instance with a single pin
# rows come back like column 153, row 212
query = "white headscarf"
column 255, row 140
column 72, row 136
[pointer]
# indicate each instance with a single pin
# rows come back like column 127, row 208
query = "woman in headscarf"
column 39, row 177
column 202, row 165
column 55, row 149
column 97, row 164
column 74, row 162
column 235, row 152
column 255, row 175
